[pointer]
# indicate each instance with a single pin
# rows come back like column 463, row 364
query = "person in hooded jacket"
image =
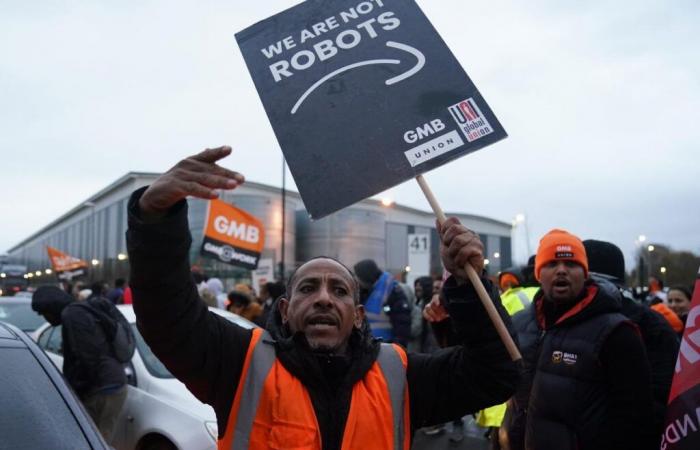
column 316, row 379
column 587, row 381
column 387, row 308
column 89, row 364
column 606, row 262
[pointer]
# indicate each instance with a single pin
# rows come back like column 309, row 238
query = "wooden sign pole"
column 474, row 279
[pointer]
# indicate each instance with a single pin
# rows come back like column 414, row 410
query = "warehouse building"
column 401, row 239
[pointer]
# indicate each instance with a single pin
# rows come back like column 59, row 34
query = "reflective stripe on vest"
column 395, row 375
column 261, row 362
column 260, row 365
column 524, row 299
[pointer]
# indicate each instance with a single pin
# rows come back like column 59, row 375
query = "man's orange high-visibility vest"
column 272, row 409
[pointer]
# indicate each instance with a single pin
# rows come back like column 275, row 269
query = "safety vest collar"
column 260, row 360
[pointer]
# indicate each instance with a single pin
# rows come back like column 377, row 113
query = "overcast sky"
column 600, row 100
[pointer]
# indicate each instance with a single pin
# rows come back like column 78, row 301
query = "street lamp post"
column 92, row 246
column 522, row 218
column 640, row 264
column 91, row 233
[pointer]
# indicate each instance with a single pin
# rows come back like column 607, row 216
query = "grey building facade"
column 95, row 231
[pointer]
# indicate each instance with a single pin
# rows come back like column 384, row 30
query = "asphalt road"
column 473, row 438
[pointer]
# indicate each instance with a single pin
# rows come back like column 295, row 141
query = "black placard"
column 363, row 96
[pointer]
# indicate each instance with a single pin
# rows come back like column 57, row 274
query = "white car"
column 159, row 413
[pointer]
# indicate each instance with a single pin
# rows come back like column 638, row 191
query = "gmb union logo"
column 565, row 357
column 564, row 251
column 556, row 357
column 227, row 253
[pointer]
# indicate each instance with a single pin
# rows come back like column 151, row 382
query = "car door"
column 51, row 341
column 37, row 409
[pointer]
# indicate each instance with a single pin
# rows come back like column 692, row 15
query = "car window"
column 20, row 315
column 153, row 364
column 54, row 341
column 44, row 338
column 40, row 417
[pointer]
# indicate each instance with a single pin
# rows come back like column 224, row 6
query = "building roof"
column 125, row 179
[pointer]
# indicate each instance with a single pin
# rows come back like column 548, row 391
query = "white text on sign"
column 328, row 48
column 434, row 148
column 427, row 129
column 242, row 231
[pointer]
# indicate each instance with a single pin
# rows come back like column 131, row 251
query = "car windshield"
column 20, row 315
column 153, row 364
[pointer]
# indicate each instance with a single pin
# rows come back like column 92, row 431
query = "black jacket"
column 660, row 341
column 585, row 372
column 661, row 344
column 207, row 352
column 89, row 364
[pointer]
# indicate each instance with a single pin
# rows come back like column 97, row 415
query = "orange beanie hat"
column 562, row 246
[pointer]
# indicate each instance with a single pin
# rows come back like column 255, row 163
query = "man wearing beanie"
column 606, row 262
column 586, row 381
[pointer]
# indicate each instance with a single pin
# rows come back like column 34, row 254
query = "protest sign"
column 233, row 236
column 264, row 273
column 65, row 266
column 362, row 95
column 682, row 427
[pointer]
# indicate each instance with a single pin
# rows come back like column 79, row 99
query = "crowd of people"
column 352, row 357
column 596, row 370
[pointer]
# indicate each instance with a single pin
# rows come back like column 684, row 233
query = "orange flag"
column 64, row 264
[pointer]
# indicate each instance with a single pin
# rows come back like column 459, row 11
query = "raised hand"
column 196, row 176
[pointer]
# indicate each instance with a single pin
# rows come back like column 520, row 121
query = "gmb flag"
column 232, row 235
column 682, row 427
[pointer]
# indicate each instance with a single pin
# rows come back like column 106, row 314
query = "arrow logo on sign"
column 415, row 69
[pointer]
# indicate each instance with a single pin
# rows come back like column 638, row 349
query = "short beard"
column 325, row 348
column 565, row 301
column 320, row 348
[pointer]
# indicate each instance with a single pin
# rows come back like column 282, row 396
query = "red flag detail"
column 682, row 426
column 688, row 363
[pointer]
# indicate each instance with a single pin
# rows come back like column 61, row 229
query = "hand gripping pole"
column 474, row 279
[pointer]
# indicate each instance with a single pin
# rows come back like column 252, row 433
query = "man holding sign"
column 316, row 379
